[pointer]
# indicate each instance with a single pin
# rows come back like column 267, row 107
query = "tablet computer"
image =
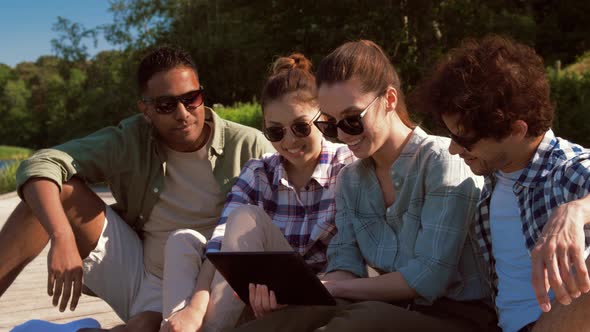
column 284, row 272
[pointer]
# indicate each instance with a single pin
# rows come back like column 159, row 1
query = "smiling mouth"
column 294, row 151
column 469, row 161
column 183, row 127
column 354, row 143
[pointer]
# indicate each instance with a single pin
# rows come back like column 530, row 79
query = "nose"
column 455, row 148
column 181, row 112
column 342, row 136
column 289, row 135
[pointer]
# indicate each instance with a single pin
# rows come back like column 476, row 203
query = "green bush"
column 13, row 152
column 8, row 178
column 8, row 173
column 571, row 94
column 249, row 114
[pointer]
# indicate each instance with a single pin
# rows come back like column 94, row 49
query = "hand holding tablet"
column 283, row 272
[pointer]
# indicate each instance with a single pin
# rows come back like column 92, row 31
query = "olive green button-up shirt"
column 132, row 161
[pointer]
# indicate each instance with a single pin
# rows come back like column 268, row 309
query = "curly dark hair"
column 489, row 83
column 162, row 59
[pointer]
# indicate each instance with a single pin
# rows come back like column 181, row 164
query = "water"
column 5, row 163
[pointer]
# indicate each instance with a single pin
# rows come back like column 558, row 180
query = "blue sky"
column 25, row 26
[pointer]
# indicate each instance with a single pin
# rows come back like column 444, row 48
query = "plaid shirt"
column 306, row 219
column 558, row 173
column 424, row 233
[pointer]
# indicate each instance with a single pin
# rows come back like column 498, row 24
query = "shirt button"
column 141, row 216
column 156, row 190
column 396, row 183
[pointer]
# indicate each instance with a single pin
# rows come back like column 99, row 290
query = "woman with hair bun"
column 284, row 201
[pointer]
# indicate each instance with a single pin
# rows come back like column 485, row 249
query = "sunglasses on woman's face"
column 351, row 125
column 168, row 104
column 299, row 129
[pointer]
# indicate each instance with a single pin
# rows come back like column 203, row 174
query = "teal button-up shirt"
column 131, row 160
column 424, row 233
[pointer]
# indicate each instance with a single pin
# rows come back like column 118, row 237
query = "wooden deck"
column 27, row 297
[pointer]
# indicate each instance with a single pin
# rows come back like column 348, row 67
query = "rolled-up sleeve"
column 95, row 158
column 50, row 164
column 343, row 252
column 451, row 194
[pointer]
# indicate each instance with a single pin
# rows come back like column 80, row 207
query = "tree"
column 70, row 44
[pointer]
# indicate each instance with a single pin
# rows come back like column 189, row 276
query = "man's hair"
column 366, row 62
column 490, row 84
column 162, row 59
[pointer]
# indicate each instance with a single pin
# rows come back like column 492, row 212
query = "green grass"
column 8, row 174
column 13, row 152
column 249, row 114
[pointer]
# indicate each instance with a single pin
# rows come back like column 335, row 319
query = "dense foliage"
column 70, row 94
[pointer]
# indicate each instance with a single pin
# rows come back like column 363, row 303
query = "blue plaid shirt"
column 424, row 233
column 558, row 173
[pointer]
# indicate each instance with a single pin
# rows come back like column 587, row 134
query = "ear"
column 519, row 129
column 391, row 96
column 142, row 108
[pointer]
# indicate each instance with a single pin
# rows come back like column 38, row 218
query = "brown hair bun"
column 293, row 61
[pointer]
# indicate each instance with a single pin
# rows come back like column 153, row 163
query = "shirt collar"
column 540, row 164
column 418, row 135
column 415, row 141
column 219, row 125
column 321, row 171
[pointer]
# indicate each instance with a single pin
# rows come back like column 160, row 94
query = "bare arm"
column 42, row 196
column 338, row 275
column 561, row 246
column 64, row 261
column 386, row 287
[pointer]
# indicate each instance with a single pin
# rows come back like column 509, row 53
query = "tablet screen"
column 284, row 272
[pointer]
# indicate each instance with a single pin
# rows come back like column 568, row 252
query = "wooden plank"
column 27, row 297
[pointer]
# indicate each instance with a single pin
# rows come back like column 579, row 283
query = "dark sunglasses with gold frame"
column 299, row 129
column 168, row 104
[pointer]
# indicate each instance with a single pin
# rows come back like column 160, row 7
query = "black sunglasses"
column 352, row 125
column 167, row 104
column 300, row 129
column 465, row 142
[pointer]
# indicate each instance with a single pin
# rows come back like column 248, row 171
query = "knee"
column 246, row 216
column 185, row 239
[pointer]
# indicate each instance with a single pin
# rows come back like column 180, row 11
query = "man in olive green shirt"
column 168, row 168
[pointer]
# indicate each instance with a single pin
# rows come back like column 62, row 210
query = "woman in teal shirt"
column 404, row 209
